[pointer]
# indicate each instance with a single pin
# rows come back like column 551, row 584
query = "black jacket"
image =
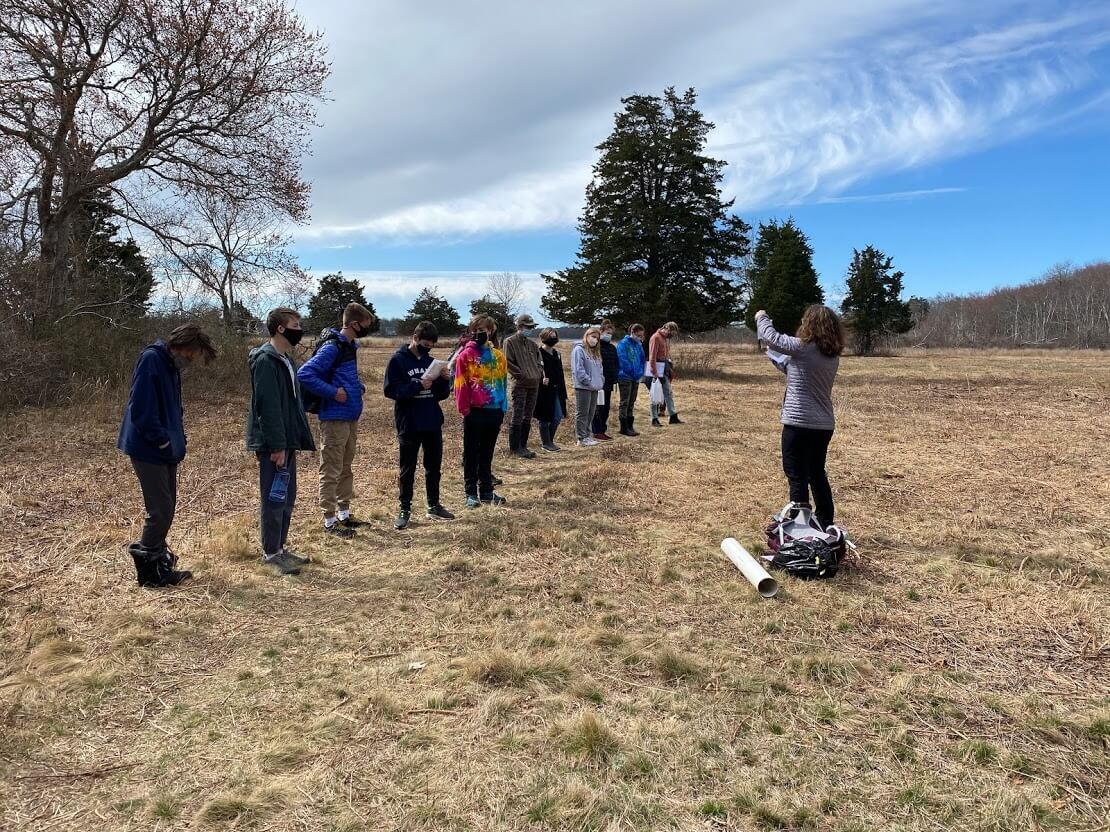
column 610, row 362
column 556, row 388
column 414, row 408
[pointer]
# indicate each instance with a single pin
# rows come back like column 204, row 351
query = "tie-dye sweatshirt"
column 480, row 374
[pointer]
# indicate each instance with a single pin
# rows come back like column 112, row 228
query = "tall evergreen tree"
column 657, row 241
column 782, row 278
column 873, row 308
column 111, row 276
column 430, row 306
column 325, row 308
column 485, row 305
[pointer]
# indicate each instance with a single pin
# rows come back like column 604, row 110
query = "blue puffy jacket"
column 323, row 376
column 630, row 352
column 153, row 416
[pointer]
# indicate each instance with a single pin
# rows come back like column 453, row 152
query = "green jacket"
column 276, row 420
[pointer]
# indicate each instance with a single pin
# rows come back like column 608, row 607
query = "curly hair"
column 823, row 327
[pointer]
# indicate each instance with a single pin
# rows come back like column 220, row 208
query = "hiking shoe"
column 298, row 560
column 351, row 523
column 403, row 517
column 438, row 512
column 551, row 447
column 675, row 420
column 493, row 499
column 655, row 423
column 281, row 563
column 339, row 530
column 473, row 502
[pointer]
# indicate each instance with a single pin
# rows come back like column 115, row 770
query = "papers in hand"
column 436, row 369
column 778, row 359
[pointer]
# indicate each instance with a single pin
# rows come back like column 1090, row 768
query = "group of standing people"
column 478, row 375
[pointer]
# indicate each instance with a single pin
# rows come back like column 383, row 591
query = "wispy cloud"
column 494, row 126
column 892, row 196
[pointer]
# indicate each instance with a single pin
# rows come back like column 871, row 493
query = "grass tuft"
column 589, row 737
column 673, row 666
column 500, row 668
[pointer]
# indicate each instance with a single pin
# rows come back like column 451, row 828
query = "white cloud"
column 451, row 119
column 891, row 196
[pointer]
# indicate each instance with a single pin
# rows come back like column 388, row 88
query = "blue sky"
column 969, row 145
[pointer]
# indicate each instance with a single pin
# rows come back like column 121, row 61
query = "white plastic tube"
column 741, row 558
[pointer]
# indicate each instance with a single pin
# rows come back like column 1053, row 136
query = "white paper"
column 778, row 359
column 435, row 369
column 601, row 397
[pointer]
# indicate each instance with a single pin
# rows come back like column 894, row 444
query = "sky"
column 967, row 141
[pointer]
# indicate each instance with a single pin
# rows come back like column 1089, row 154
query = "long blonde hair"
column 822, row 326
column 593, row 351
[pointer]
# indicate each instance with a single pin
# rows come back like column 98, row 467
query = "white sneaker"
column 586, row 443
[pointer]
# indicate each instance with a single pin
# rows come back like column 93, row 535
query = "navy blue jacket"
column 324, row 377
column 153, row 415
column 414, row 408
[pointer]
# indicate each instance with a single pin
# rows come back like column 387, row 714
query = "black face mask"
column 420, row 348
column 481, row 338
column 551, row 341
column 293, row 336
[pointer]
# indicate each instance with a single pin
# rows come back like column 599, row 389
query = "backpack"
column 312, row 402
column 801, row 548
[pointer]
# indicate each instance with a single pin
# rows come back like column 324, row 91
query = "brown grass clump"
column 502, row 668
column 673, row 666
column 589, row 737
column 242, row 807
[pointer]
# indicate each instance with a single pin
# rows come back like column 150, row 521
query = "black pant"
column 273, row 519
column 803, row 461
column 480, row 429
column 411, row 443
column 601, row 413
column 159, row 486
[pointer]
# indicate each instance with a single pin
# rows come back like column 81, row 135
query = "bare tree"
column 507, row 288
column 149, row 98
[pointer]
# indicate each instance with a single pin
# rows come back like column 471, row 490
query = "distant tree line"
column 1068, row 307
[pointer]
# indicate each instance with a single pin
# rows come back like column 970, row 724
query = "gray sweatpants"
column 273, row 519
column 585, row 402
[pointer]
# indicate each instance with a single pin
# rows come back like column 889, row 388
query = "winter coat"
column 414, row 408
column 522, row 356
column 610, row 363
column 335, row 365
column 554, row 390
column 154, row 416
column 630, row 353
column 480, row 374
column 586, row 372
column 276, row 420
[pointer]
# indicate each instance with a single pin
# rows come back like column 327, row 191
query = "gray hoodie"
column 809, row 379
column 586, row 372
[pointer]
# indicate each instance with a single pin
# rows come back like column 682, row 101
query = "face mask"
column 551, row 341
column 607, row 336
column 420, row 348
column 481, row 338
column 362, row 330
column 181, row 362
column 293, row 336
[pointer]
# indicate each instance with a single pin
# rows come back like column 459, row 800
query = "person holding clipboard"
column 659, row 353
column 417, row 383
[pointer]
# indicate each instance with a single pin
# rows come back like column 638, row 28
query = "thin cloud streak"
column 893, row 196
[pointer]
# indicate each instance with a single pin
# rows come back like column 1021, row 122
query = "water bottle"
column 279, row 489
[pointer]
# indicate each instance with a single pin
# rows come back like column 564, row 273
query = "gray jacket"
column 585, row 371
column 809, row 379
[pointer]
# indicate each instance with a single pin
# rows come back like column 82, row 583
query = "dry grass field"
column 583, row 658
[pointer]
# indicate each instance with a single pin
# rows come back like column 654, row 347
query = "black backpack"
column 312, row 402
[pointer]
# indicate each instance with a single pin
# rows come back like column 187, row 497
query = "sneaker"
column 438, row 512
column 524, row 453
column 403, row 517
column 339, row 530
column 352, row 523
column 473, row 502
column 551, row 447
column 296, row 559
column 493, row 499
column 655, row 423
column 604, row 437
column 281, row 563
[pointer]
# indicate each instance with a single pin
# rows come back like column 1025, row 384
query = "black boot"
column 156, row 568
column 624, row 427
column 514, row 439
column 632, row 426
column 545, row 438
column 523, row 451
column 675, row 420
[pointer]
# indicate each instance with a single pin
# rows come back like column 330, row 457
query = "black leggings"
column 803, row 461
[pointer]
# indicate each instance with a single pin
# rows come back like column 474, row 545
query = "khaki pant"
column 338, row 440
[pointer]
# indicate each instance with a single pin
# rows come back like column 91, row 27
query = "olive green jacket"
column 276, row 420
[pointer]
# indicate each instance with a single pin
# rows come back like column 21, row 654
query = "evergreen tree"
column 429, row 306
column 873, row 307
column 325, row 308
column 657, row 241
column 111, row 275
column 243, row 320
column 485, row 305
column 781, row 276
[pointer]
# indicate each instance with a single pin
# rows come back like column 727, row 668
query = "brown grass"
column 582, row 659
